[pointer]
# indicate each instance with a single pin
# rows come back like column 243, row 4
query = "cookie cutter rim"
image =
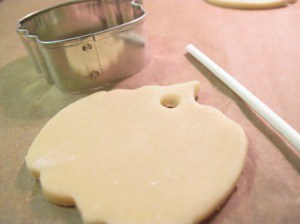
column 39, row 43
column 134, row 3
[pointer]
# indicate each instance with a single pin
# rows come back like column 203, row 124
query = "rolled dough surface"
column 251, row 4
column 150, row 155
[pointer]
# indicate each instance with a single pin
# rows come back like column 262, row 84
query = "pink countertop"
column 261, row 49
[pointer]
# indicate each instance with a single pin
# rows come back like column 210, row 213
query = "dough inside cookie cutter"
column 86, row 44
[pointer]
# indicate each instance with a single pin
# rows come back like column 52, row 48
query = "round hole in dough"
column 121, row 157
column 170, row 101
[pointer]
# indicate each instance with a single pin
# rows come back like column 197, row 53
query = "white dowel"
column 271, row 117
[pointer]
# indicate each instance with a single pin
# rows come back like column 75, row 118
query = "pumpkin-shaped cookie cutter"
column 86, row 44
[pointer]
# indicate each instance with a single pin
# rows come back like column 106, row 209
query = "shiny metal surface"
column 86, row 44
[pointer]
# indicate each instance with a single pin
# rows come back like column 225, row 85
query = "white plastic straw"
column 271, row 117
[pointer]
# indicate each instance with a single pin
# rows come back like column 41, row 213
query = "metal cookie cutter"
column 86, row 44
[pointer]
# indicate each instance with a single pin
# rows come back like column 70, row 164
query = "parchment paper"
column 261, row 49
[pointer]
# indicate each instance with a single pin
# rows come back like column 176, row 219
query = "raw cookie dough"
column 150, row 155
column 251, row 4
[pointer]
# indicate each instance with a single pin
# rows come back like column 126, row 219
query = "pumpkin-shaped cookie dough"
column 150, row 155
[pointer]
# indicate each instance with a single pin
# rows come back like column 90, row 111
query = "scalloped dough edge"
column 253, row 4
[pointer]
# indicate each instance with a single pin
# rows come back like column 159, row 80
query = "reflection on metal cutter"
column 86, row 44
